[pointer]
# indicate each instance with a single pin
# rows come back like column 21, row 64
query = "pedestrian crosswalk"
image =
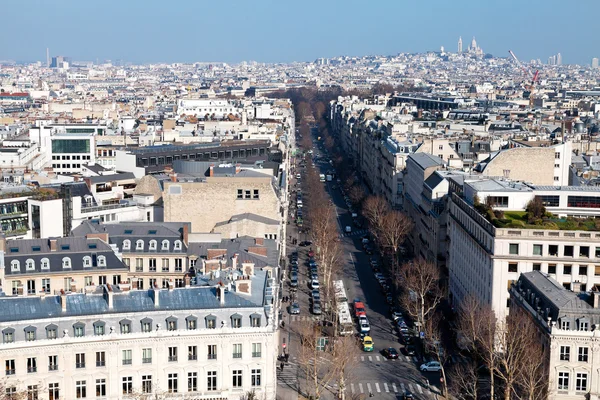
column 300, row 318
column 390, row 387
column 378, row 358
column 355, row 233
column 289, row 375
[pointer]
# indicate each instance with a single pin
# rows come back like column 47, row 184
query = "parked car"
column 409, row 350
column 363, row 325
column 305, row 243
column 295, row 308
column 316, row 308
column 431, row 366
column 390, row 353
column 368, row 344
column 316, row 295
column 406, row 339
column 407, row 395
column 389, row 299
column 311, row 253
column 294, row 281
column 359, row 308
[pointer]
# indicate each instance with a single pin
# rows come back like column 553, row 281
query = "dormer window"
column 165, row 245
column 171, row 324
column 236, row 321
column 45, row 263
column 255, row 320
column 87, row 262
column 177, row 245
column 583, row 325
column 152, row 245
column 125, row 326
column 30, row 265
column 139, row 245
column 126, row 244
column 66, row 262
column 102, row 261
column 565, row 324
column 15, row 266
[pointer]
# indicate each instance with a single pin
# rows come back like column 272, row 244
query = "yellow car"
column 368, row 344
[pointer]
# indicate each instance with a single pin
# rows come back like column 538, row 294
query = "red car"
column 311, row 253
column 359, row 308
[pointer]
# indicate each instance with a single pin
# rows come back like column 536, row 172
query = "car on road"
column 294, row 282
column 315, row 294
column 311, row 253
column 407, row 396
column 363, row 325
column 314, row 276
column 368, row 344
column 368, row 249
column 316, row 308
column 348, row 229
column 305, row 243
column 390, row 353
column 406, row 338
column 431, row 366
column 410, row 350
column 389, row 299
column 359, row 308
column 295, row 308
column 314, row 284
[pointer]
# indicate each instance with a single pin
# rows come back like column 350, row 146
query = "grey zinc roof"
column 19, row 308
column 251, row 217
column 240, row 246
column 110, row 178
column 426, row 160
column 434, row 180
column 563, row 300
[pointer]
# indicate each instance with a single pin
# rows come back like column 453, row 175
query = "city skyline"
column 266, row 31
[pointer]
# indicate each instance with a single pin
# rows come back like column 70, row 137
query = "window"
column 146, row 325
column 255, row 194
column 30, row 333
column 237, row 350
column 126, row 357
column 172, row 383
column 256, row 350
column 125, row 326
column 15, row 266
column 255, row 321
column 557, row 156
column 582, row 355
column 236, row 321
column 164, row 245
column 211, row 383
column 147, row 356
column 8, row 335
column 568, row 251
column 80, row 360
column 597, row 252
column 31, row 365
column 567, row 269
column 11, row 393
column 171, row 324
column 79, row 330
column 537, row 249
column 127, row 385
column 191, row 323
column 10, row 367
column 152, row 264
column 551, row 268
column 192, row 381
column 211, row 322
column 177, row 245
column 581, row 379
column 553, row 250
column 99, row 328
column 240, row 194
column 101, row 261
column 178, row 265
column 172, row 354
column 52, row 363
column 165, row 265
column 513, row 248
column 584, row 251
column 45, row 263
column 146, row 383
column 255, row 377
column 30, row 265
column 100, row 387
column 126, row 244
column 100, row 359
column 139, row 245
column 513, row 267
column 556, row 179
column 53, row 391
column 212, row 352
column 583, row 270
column 247, row 194
column 51, row 331
column 565, row 324
column 152, row 245
column 565, row 353
column 237, row 378
column 32, row 392
column 66, row 262
column 80, row 391
column 87, row 262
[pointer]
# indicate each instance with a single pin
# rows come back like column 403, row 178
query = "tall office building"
column 558, row 59
column 460, row 44
column 594, row 62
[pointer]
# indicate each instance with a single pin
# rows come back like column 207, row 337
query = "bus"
column 340, row 292
column 345, row 326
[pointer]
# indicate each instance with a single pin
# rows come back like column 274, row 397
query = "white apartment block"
column 202, row 107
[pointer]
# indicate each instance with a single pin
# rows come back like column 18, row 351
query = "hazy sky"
column 143, row 31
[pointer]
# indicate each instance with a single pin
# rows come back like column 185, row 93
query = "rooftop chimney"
column 243, row 285
column 52, row 243
column 576, row 287
column 154, row 293
column 221, row 293
column 2, row 243
column 596, row 299
column 108, row 296
column 63, row 300
column 101, row 236
column 186, row 233
column 173, row 177
column 212, row 168
column 238, row 168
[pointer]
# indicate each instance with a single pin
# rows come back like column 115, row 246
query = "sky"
column 146, row 31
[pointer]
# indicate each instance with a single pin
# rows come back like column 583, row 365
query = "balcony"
column 256, row 354
column 10, row 371
column 172, row 358
column 192, row 357
column 146, row 360
column 237, row 355
column 31, row 370
column 125, row 362
column 212, row 356
column 80, row 365
column 52, row 367
column 91, row 209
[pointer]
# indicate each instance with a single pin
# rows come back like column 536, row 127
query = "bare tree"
column 422, row 293
column 316, row 359
column 395, row 225
column 533, row 372
column 464, row 381
column 434, row 345
column 374, row 209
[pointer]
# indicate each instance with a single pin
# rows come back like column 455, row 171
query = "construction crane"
column 534, row 78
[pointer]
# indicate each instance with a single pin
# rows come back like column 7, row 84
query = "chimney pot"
column 174, row 177
column 154, row 293
column 212, row 167
column 63, row 300
column 53, row 244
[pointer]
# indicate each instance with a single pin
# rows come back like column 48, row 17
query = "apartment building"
column 207, row 341
column 567, row 322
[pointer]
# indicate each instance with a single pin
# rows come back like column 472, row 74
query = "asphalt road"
column 372, row 373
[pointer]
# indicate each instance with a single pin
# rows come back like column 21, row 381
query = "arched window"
column 15, row 266
column 139, row 245
column 177, row 245
column 87, row 262
column 164, row 245
column 152, row 245
column 102, row 261
column 29, row 264
column 45, row 263
column 126, row 244
column 66, row 262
